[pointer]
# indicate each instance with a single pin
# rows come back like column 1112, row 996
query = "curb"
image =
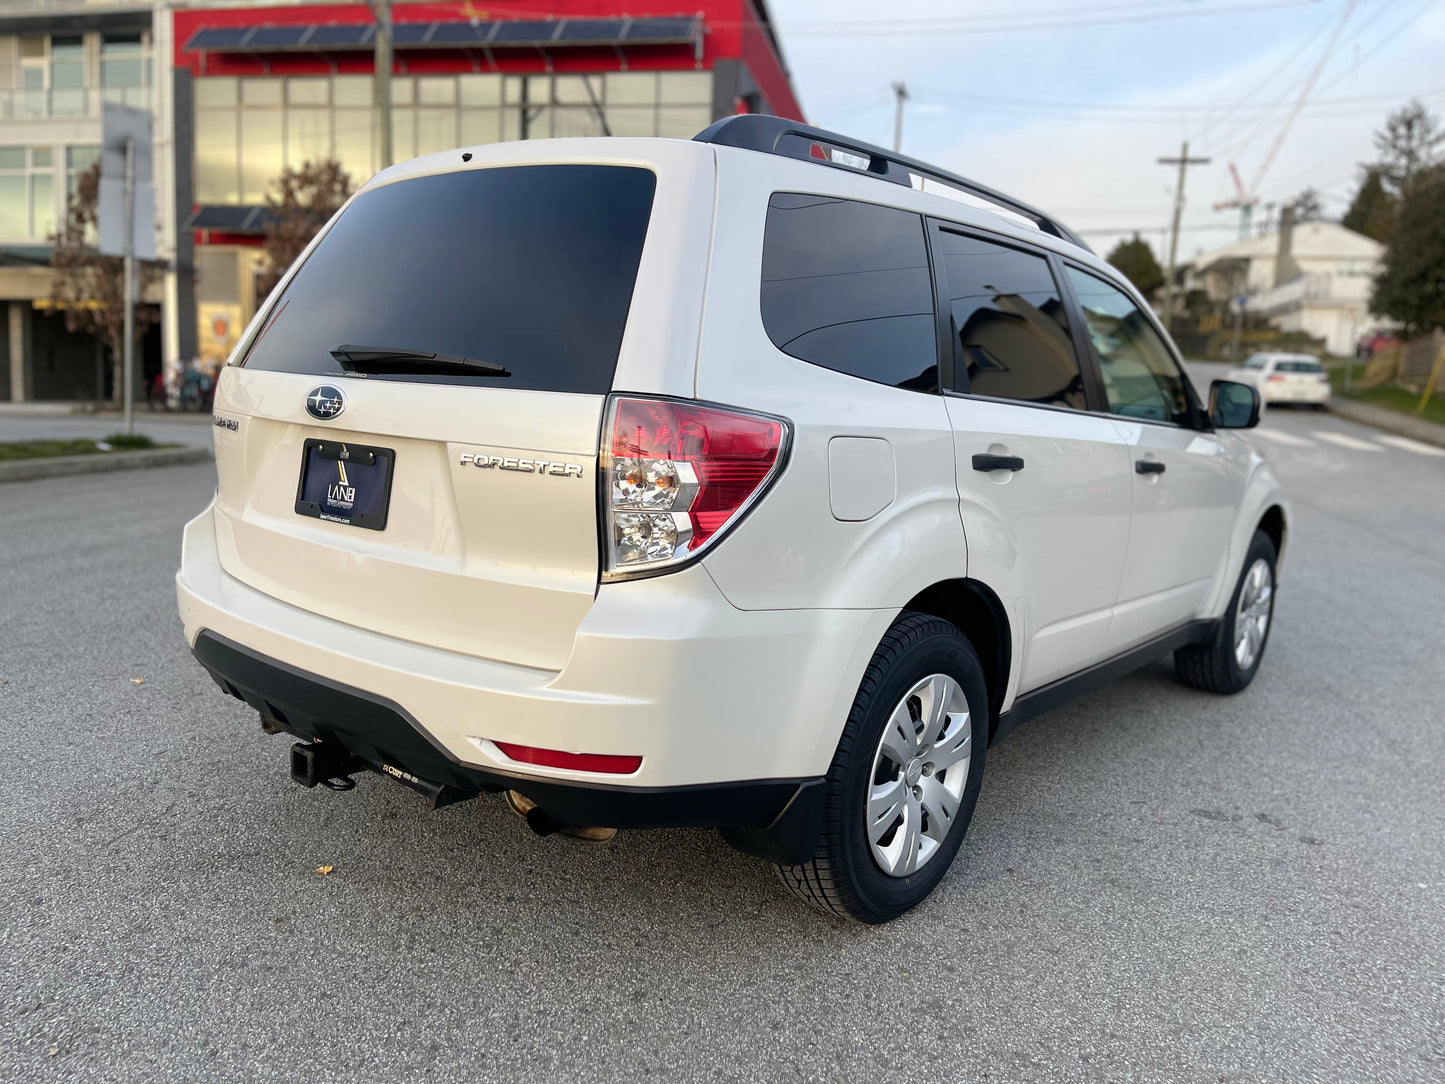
column 1390, row 421
column 23, row 470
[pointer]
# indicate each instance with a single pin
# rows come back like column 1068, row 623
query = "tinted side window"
column 1011, row 333
column 846, row 286
column 1140, row 377
column 1300, row 367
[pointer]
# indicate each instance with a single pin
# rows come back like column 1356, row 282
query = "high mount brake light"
column 677, row 475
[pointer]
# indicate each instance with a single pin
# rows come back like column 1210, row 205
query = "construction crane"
column 1243, row 200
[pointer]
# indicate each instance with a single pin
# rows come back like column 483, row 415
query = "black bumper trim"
column 382, row 733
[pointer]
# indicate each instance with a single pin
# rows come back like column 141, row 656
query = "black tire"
column 843, row 878
column 1213, row 667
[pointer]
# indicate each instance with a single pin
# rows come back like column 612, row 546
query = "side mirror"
column 1233, row 405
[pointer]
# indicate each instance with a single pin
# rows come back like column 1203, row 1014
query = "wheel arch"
column 1275, row 525
column 983, row 619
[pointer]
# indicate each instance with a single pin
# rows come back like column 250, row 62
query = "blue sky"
column 1072, row 116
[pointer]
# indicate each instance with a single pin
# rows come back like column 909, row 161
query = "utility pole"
column 900, row 95
column 1183, row 162
column 381, row 93
column 128, row 287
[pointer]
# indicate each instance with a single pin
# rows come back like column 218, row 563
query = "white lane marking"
column 1281, row 437
column 1410, row 445
column 1353, row 443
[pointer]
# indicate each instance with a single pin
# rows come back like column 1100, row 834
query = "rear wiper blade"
column 389, row 359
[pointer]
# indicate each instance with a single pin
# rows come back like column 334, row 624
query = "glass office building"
column 264, row 89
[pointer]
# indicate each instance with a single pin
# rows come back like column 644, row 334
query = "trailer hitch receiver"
column 323, row 763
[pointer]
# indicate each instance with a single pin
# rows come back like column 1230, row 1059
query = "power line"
column 1304, row 94
column 1171, row 110
column 1391, row 36
column 1257, row 128
column 1098, row 230
column 1021, row 21
column 1295, row 54
column 1133, row 11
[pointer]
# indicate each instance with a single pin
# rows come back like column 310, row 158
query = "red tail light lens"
column 576, row 762
column 677, row 474
column 1273, row 379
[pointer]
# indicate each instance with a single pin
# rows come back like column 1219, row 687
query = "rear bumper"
column 385, row 736
column 1274, row 394
column 732, row 711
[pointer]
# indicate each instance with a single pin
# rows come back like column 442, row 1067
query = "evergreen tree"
column 1372, row 211
column 1411, row 284
column 1409, row 142
column 1136, row 259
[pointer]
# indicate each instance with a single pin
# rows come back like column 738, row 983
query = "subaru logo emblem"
column 325, row 402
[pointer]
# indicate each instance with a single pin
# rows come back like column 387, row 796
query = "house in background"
column 1311, row 277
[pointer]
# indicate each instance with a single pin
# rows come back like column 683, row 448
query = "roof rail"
column 790, row 139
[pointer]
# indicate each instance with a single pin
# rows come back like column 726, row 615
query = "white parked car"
column 1286, row 378
column 730, row 482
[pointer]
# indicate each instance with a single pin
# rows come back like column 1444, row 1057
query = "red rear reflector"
column 576, row 762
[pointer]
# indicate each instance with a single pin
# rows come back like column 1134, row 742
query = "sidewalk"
column 81, row 409
column 1392, row 421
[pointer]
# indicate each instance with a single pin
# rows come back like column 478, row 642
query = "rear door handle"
column 1148, row 466
column 985, row 462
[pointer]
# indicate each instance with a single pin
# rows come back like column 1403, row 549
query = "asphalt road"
column 1159, row 885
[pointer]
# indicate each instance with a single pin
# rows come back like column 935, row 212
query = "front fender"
column 1262, row 491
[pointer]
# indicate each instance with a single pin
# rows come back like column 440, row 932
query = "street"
column 1159, row 884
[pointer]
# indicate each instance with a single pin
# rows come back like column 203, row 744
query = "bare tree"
column 1309, row 206
column 88, row 289
column 301, row 201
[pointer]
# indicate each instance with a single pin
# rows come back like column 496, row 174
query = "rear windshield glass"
column 1299, row 367
column 526, row 267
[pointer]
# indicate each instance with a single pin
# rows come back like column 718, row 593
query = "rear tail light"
column 1275, row 379
column 677, row 475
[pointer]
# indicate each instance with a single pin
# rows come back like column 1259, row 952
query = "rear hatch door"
column 417, row 413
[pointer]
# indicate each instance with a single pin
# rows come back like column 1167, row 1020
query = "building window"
column 27, row 193
column 249, row 129
column 56, row 77
column 125, row 70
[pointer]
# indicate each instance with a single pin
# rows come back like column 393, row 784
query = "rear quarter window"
column 846, row 285
column 529, row 267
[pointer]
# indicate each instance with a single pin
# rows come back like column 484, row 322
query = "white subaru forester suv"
column 745, row 482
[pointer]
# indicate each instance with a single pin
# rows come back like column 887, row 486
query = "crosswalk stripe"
column 1281, row 437
column 1347, row 442
column 1409, row 445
